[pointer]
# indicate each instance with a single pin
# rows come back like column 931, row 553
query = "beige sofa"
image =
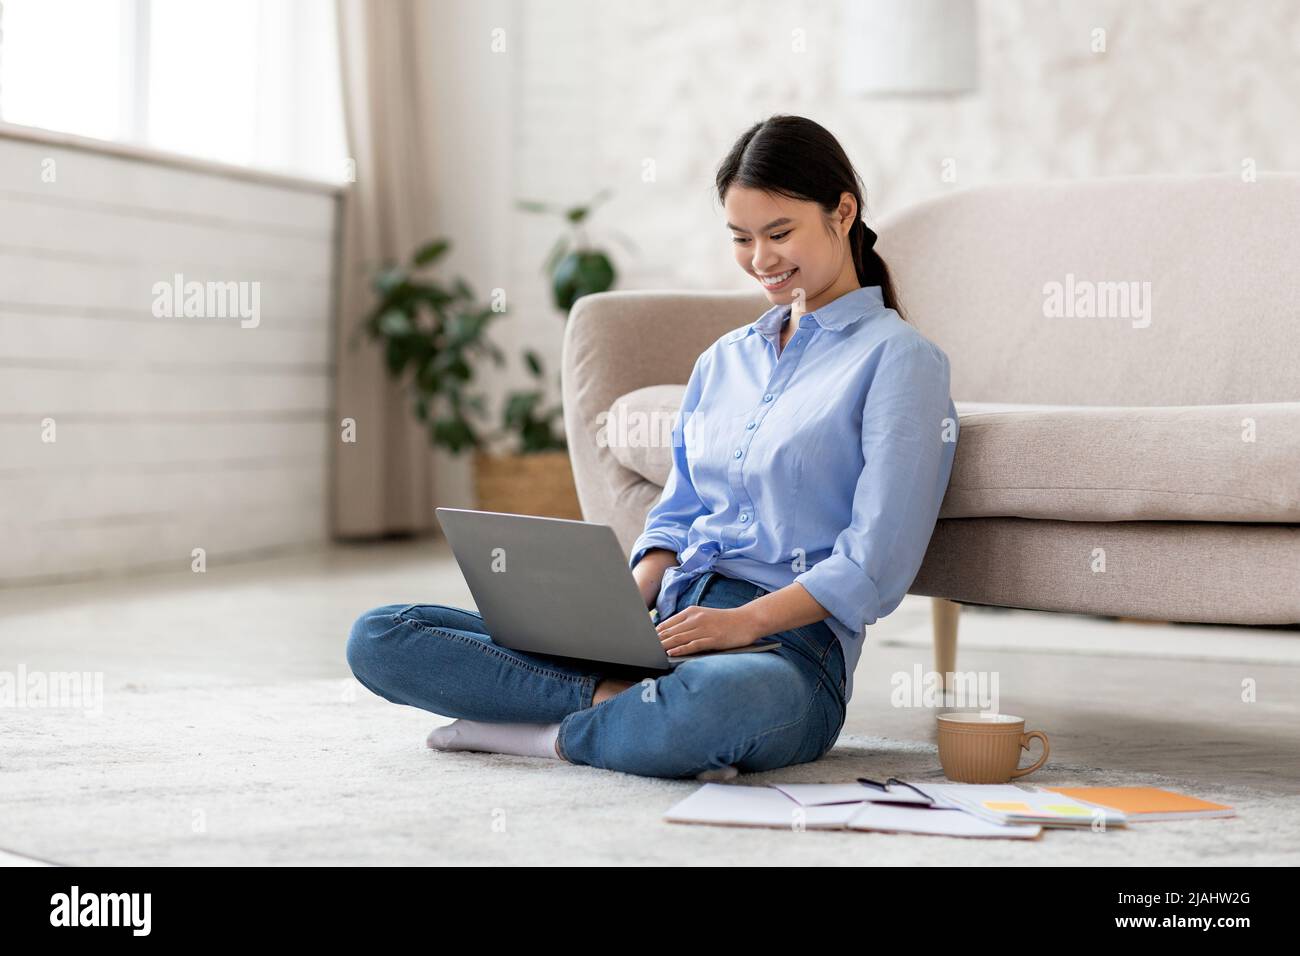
column 1139, row 457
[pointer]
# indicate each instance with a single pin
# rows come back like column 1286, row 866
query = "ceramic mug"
column 985, row 748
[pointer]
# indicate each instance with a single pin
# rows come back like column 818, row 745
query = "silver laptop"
column 559, row 587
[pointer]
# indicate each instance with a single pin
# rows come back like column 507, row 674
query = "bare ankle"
column 607, row 688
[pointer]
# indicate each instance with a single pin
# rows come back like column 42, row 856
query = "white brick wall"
column 171, row 433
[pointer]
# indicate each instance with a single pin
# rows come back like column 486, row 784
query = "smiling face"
column 789, row 248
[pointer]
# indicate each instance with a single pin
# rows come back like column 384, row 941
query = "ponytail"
column 870, row 267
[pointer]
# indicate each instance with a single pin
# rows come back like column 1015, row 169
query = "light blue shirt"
column 824, row 465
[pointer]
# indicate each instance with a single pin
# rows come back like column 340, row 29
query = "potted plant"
column 575, row 267
column 434, row 336
column 536, row 479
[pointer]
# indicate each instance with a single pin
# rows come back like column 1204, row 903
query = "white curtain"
column 384, row 481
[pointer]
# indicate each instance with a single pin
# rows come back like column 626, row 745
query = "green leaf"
column 396, row 354
column 395, row 322
column 460, row 369
column 389, row 280
column 518, row 407
column 435, row 296
column 427, row 379
column 580, row 214
column 455, row 433
column 430, row 252
column 553, row 257
column 579, row 274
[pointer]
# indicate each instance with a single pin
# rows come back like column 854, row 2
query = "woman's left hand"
column 695, row 629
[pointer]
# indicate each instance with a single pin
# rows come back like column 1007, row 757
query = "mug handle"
column 1024, row 745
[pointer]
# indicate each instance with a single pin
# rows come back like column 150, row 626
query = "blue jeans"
column 756, row 711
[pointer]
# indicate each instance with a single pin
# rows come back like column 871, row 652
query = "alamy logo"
column 24, row 688
column 102, row 909
column 208, row 300
column 1085, row 299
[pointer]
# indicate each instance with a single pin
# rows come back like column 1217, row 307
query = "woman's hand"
column 695, row 629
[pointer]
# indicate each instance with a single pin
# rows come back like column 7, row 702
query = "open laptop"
column 559, row 587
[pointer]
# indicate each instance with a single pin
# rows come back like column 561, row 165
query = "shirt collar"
column 834, row 315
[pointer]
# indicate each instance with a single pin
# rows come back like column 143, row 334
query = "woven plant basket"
column 536, row 484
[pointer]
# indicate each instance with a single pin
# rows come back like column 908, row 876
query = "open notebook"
column 1006, row 803
column 998, row 810
column 742, row 806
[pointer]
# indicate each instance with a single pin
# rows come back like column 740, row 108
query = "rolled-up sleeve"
column 669, row 520
column 909, row 436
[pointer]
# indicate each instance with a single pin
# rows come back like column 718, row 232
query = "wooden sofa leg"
column 944, row 616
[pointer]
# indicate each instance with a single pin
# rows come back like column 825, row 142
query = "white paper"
column 934, row 821
column 740, row 805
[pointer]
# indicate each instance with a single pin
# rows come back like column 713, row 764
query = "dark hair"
column 795, row 157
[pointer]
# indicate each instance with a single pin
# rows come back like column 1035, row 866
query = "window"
column 249, row 82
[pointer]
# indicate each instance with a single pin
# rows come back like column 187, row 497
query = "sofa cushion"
column 655, row 406
column 1078, row 462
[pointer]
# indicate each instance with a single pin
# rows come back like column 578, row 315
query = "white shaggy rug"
column 323, row 772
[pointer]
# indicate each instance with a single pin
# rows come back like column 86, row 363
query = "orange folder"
column 1147, row 803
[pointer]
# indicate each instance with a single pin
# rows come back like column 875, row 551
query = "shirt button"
column 744, row 517
column 737, row 452
column 751, row 425
column 767, row 397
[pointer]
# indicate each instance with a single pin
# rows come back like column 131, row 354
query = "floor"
column 231, row 732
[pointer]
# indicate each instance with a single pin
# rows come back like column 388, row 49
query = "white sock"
column 524, row 740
